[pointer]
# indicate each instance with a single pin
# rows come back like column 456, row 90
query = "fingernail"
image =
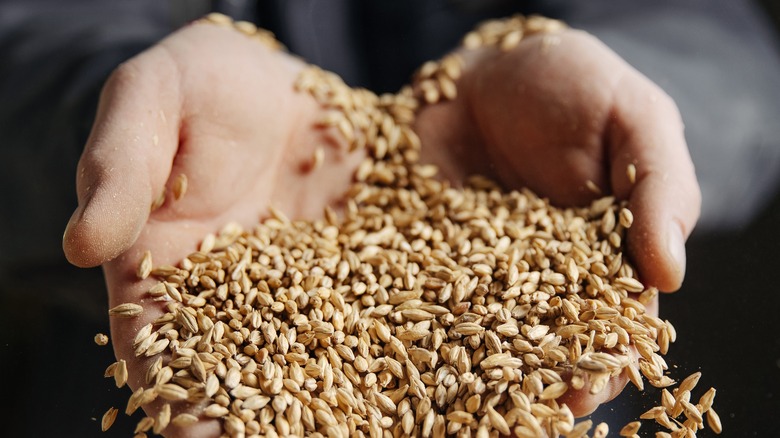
column 676, row 246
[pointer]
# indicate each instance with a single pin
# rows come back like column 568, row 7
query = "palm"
column 557, row 112
column 536, row 116
column 553, row 114
column 220, row 109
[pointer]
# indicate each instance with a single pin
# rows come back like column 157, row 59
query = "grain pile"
column 420, row 310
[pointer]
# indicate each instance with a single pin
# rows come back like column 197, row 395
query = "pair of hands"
column 220, row 108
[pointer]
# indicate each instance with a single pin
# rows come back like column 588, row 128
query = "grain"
column 145, row 265
column 626, row 218
column 593, row 187
column 158, row 202
column 101, row 339
column 713, row 421
column 631, row 173
column 126, row 310
column 108, row 418
column 120, row 373
column 318, row 157
column 163, row 419
column 110, row 370
column 184, row 420
column 421, row 309
column 601, row 430
column 630, row 429
column 179, row 187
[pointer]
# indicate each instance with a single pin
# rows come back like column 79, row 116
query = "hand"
column 559, row 110
column 218, row 107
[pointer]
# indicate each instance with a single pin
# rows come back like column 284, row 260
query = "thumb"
column 647, row 132
column 126, row 160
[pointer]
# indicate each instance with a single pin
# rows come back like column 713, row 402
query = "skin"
column 212, row 104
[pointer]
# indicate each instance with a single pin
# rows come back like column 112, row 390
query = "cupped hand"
column 209, row 103
column 560, row 110
column 551, row 114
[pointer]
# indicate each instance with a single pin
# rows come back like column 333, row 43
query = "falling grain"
column 120, row 373
column 630, row 429
column 108, row 418
column 713, row 421
column 101, row 339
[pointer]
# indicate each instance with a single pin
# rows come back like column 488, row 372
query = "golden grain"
column 158, row 201
column 101, row 339
column 108, row 418
column 630, row 429
column 593, row 188
column 713, row 421
column 631, row 173
column 126, row 310
column 145, row 266
column 120, row 373
column 179, row 187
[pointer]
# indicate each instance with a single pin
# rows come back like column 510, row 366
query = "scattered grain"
column 120, row 373
column 108, row 418
column 101, row 339
column 630, row 429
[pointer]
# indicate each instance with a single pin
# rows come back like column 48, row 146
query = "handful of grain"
column 422, row 310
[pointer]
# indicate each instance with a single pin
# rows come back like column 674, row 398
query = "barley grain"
column 713, row 421
column 630, row 429
column 593, row 188
column 120, row 373
column 145, row 266
column 158, row 202
column 126, row 310
column 631, row 173
column 101, row 339
column 108, row 418
column 179, row 186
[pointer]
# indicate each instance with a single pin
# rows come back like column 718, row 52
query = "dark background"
column 726, row 315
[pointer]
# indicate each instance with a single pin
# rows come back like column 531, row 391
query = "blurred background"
column 717, row 58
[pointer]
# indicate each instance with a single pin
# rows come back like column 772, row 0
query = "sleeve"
column 55, row 57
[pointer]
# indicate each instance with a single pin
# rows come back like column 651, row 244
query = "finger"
column 582, row 402
column 126, row 160
column 646, row 131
